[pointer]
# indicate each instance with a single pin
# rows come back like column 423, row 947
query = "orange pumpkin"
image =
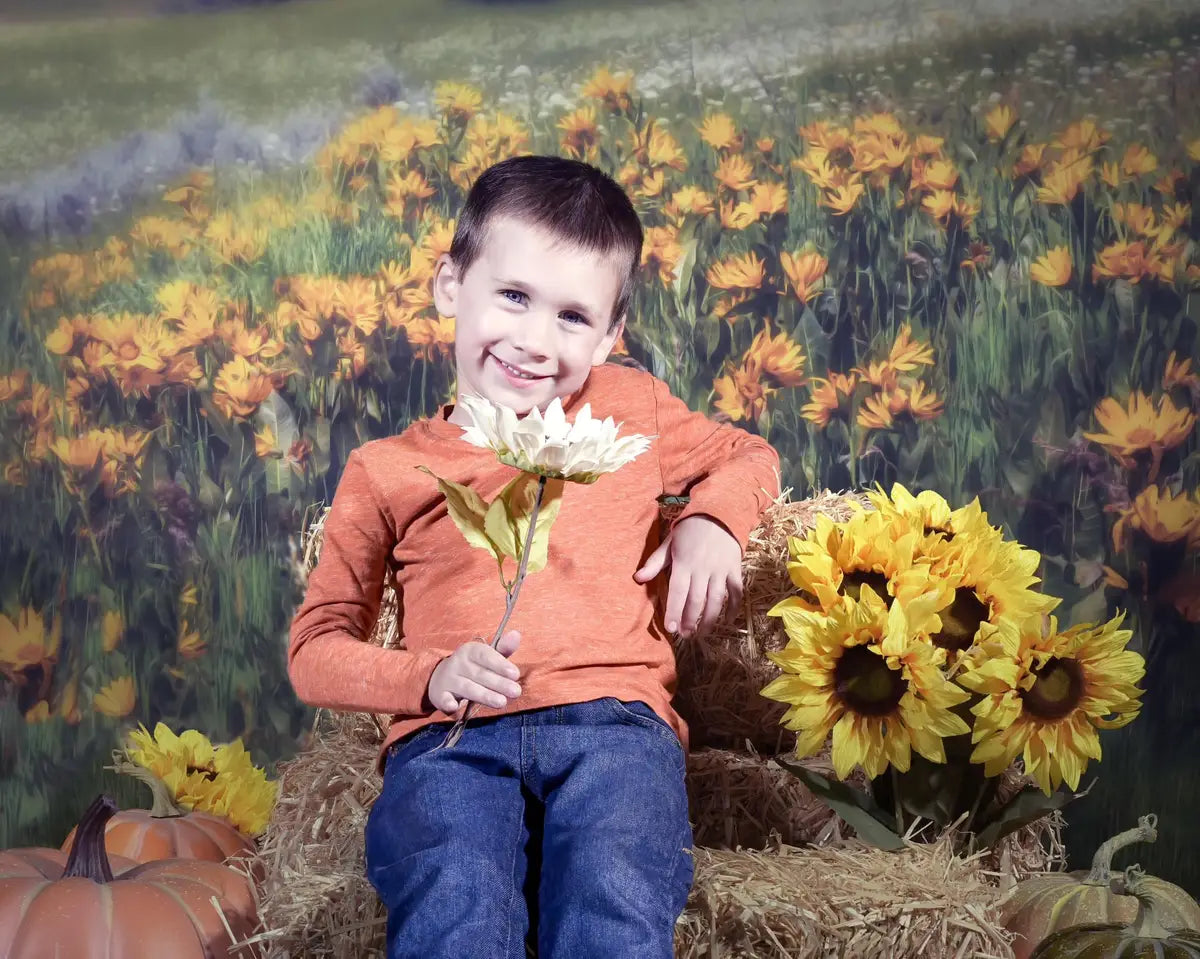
column 168, row 831
column 1045, row 904
column 86, row 909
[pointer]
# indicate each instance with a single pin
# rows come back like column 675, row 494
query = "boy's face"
column 529, row 303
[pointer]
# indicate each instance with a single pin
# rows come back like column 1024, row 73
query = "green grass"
column 70, row 83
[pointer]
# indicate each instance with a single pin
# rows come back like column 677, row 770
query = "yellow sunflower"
column 1045, row 696
column 863, row 674
column 218, row 779
column 989, row 580
column 837, row 560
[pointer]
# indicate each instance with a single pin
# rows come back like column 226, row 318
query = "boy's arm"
column 330, row 663
column 730, row 475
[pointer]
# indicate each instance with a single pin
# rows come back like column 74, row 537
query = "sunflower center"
column 961, row 621
column 1056, row 691
column 853, row 583
column 865, row 684
column 207, row 771
column 1141, row 436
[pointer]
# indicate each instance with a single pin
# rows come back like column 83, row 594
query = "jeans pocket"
column 637, row 713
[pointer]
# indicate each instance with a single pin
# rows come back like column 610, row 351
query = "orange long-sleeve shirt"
column 588, row 629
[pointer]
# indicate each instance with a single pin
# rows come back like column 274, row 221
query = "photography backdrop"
column 950, row 245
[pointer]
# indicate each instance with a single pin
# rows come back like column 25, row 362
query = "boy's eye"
column 516, row 296
column 574, row 318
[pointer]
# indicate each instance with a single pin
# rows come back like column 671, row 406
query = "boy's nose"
column 533, row 337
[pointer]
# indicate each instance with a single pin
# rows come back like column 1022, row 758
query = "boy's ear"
column 445, row 285
column 605, row 346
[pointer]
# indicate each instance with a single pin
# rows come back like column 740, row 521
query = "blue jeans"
column 565, row 826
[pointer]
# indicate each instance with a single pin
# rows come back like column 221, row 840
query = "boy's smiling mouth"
column 516, row 373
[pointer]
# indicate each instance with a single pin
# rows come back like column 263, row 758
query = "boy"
column 566, row 791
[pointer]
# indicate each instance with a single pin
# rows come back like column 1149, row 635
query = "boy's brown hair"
column 571, row 200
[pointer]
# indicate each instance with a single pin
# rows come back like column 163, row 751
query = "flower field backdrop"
column 951, row 252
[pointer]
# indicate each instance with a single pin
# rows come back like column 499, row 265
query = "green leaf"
column 871, row 823
column 932, row 790
column 1029, row 805
column 507, row 519
column 686, row 266
column 274, row 413
column 468, row 510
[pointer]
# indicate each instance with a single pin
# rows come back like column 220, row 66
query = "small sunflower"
column 1046, row 695
column 864, row 674
column 218, row 779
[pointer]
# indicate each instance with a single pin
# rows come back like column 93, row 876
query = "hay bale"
column 316, row 900
column 847, row 900
column 720, row 676
column 744, row 800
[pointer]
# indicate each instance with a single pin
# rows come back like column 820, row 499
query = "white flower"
column 550, row 446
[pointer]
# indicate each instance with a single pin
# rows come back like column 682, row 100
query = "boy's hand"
column 706, row 568
column 476, row 672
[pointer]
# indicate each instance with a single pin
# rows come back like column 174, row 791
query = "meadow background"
column 946, row 244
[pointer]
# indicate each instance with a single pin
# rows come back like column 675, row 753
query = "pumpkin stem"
column 1147, row 924
column 164, row 806
column 1101, row 873
column 88, row 857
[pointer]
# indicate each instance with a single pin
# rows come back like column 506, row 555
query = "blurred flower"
column 112, row 629
column 116, row 699
column 458, row 102
column 829, row 397
column 719, row 132
column 1138, row 161
column 842, row 199
column 1053, row 268
column 734, row 173
column 661, row 252
column 745, row 272
column 777, row 357
column 239, row 387
column 1178, row 372
column 40, row 713
column 27, row 643
column 999, row 121
column 580, row 137
column 1030, row 159
column 189, row 644
column 1142, row 425
column 613, row 89
column 741, row 393
column 804, row 271
column 1163, row 517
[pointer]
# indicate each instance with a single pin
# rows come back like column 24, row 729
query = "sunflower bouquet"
column 919, row 644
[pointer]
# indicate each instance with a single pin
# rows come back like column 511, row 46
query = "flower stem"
column 460, row 724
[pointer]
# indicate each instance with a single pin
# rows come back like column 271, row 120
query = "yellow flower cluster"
column 910, row 610
column 220, row 780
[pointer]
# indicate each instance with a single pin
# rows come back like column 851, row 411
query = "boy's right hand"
column 476, row 672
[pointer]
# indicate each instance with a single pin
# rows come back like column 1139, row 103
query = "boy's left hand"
column 706, row 567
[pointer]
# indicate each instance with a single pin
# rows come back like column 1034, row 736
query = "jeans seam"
column 512, row 876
